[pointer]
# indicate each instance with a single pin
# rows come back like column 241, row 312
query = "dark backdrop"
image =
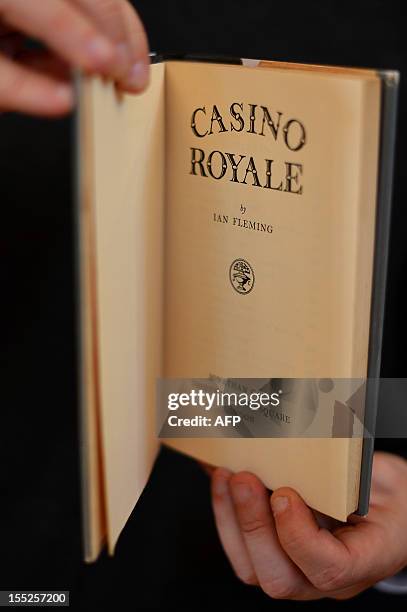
column 168, row 555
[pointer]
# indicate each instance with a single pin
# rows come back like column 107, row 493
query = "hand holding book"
column 277, row 543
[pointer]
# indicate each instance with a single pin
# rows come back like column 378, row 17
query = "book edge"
column 388, row 116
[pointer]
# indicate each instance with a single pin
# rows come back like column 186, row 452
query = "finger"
column 66, row 31
column 108, row 16
column 323, row 558
column 228, row 527
column 277, row 574
column 139, row 74
column 386, row 472
column 376, row 550
column 120, row 22
column 26, row 91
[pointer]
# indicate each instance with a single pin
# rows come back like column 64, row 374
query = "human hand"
column 277, row 544
column 103, row 37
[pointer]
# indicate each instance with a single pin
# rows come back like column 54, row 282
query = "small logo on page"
column 241, row 276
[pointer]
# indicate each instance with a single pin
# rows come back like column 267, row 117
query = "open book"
column 284, row 168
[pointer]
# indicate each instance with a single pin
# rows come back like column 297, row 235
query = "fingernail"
column 221, row 482
column 241, row 492
column 64, row 94
column 100, row 50
column 138, row 76
column 279, row 504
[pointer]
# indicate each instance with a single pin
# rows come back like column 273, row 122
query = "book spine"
column 389, row 94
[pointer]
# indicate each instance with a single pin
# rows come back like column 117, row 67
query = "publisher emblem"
column 241, row 276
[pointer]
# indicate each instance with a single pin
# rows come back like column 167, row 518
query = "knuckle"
column 332, row 578
column 252, row 525
column 293, row 540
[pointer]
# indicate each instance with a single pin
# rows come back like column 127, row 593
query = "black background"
column 168, row 555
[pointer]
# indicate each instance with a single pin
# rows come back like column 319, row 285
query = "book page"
column 273, row 170
column 125, row 215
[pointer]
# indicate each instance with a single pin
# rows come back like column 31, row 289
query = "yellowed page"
column 127, row 203
column 307, row 314
column 92, row 478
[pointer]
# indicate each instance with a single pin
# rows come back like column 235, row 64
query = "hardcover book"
column 232, row 220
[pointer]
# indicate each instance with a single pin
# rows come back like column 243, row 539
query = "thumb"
column 324, row 559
